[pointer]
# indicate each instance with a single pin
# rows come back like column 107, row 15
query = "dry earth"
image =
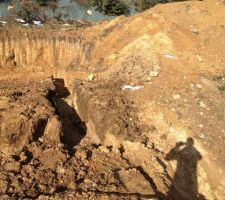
column 68, row 130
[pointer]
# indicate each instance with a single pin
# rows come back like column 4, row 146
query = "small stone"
column 154, row 73
column 91, row 77
column 199, row 86
column 199, row 58
column 176, row 96
column 201, row 125
column 202, row 104
column 60, row 170
column 104, row 149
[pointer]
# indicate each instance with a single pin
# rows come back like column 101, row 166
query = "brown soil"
column 69, row 131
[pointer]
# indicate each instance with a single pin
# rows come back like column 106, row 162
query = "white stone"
column 169, row 56
column 91, row 77
column 199, row 86
column 154, row 73
column 199, row 58
column 176, row 96
column 201, row 125
column 37, row 23
column 202, row 104
column 132, row 88
column 20, row 20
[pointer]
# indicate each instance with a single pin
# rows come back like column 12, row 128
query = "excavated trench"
column 73, row 128
column 89, row 143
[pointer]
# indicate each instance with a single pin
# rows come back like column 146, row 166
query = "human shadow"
column 184, row 185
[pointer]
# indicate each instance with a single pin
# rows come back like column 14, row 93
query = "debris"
column 10, row 8
column 37, row 23
column 89, row 12
column 20, row 20
column 169, row 56
column 3, row 22
column 132, row 88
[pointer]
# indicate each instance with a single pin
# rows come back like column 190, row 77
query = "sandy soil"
column 71, row 127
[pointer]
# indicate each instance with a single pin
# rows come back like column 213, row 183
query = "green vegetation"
column 122, row 7
column 110, row 7
column 26, row 10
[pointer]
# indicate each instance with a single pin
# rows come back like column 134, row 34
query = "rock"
column 199, row 86
column 199, row 58
column 154, row 73
column 169, row 56
column 202, row 104
column 135, row 182
column 60, row 170
column 91, row 77
column 15, row 166
column 176, row 96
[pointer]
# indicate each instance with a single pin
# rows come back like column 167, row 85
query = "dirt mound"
column 127, row 109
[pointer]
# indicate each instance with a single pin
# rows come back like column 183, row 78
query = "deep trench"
column 73, row 128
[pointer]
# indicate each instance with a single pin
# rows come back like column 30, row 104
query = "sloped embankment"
column 72, row 127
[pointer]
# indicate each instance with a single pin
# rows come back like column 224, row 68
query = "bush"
column 110, row 7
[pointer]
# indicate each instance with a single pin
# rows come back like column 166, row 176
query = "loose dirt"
column 68, row 130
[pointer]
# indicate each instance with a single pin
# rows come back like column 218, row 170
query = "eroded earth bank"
column 72, row 127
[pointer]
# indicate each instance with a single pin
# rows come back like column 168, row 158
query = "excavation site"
column 131, row 108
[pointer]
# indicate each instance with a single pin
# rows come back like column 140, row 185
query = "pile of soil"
column 127, row 109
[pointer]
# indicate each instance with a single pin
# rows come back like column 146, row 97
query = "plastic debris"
column 37, row 23
column 132, row 88
column 89, row 12
column 10, row 8
column 3, row 22
column 169, row 56
column 20, row 20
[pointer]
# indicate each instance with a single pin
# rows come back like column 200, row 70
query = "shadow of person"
column 184, row 185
